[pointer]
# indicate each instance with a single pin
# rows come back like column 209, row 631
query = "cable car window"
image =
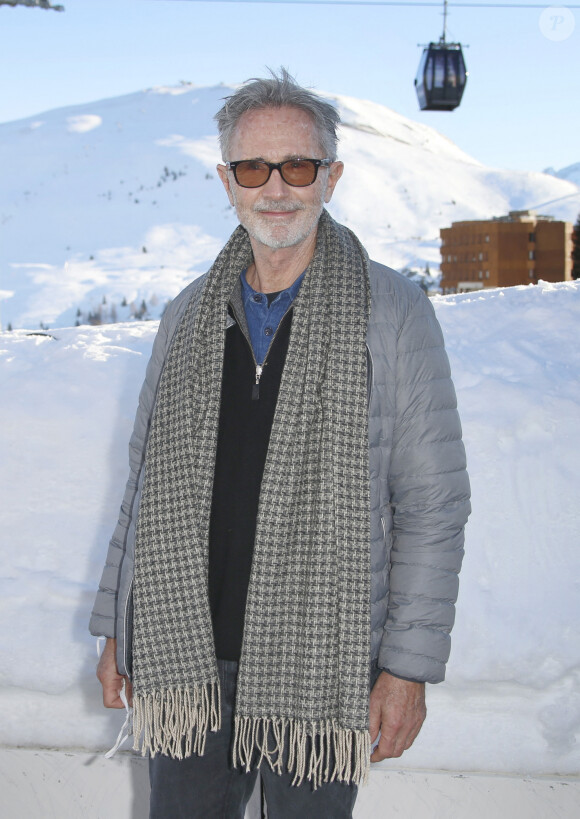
column 439, row 78
column 429, row 74
column 451, row 71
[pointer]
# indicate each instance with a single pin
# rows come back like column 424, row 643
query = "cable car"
column 441, row 77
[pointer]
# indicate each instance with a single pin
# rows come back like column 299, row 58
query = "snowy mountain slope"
column 120, row 199
column 570, row 173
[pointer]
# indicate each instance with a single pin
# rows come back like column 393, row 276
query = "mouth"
column 277, row 214
column 279, row 209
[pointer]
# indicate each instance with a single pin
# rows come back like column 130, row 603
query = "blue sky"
column 520, row 109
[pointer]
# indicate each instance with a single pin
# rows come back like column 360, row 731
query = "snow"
column 571, row 173
column 110, row 205
column 119, row 199
column 82, row 124
column 53, row 785
column 511, row 701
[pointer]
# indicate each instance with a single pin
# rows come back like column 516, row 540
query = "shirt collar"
column 289, row 293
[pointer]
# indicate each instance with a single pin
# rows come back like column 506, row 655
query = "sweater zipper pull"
column 256, row 387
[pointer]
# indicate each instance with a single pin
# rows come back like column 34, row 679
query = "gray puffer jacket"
column 419, row 486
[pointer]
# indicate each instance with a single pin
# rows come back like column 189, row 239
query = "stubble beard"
column 279, row 236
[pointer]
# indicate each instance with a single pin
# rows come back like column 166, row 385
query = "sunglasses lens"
column 251, row 174
column 299, row 172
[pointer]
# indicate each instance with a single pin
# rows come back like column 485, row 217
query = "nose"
column 275, row 186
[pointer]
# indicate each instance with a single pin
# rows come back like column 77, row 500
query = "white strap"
column 127, row 727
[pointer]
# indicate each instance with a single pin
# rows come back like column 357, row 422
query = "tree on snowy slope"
column 576, row 250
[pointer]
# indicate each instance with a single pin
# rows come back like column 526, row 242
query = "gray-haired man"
column 259, row 585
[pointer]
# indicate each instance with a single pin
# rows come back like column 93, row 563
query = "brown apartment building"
column 519, row 248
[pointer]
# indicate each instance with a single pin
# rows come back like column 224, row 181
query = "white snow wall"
column 511, row 699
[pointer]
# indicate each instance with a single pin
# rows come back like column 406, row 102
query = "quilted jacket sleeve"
column 429, row 499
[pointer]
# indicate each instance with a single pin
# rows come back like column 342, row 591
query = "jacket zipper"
column 259, row 370
column 259, row 367
column 370, row 373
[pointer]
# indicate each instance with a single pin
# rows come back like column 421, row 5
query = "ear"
column 334, row 174
column 224, row 176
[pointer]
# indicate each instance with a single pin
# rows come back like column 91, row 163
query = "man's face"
column 278, row 215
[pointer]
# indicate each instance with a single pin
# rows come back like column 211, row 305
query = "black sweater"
column 244, row 433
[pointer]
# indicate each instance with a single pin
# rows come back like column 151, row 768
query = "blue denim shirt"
column 263, row 318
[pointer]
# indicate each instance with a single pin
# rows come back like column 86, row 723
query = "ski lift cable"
column 553, row 201
column 384, row 3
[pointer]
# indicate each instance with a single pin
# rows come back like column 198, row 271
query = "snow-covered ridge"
column 118, row 200
column 371, row 117
column 571, row 173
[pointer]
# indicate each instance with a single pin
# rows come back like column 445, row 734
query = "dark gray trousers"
column 208, row 787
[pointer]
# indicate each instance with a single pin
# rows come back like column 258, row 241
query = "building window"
column 531, row 255
column 487, row 274
column 481, row 274
column 481, row 257
column 487, row 237
column 531, row 237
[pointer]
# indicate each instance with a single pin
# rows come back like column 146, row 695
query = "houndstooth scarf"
column 303, row 682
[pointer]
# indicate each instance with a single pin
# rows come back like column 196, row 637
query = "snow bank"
column 511, row 700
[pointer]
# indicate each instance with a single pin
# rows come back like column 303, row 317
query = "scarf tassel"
column 320, row 752
column 175, row 722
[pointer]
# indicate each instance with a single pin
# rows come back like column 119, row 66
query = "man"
column 258, row 585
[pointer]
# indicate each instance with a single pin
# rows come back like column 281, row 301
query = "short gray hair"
column 278, row 92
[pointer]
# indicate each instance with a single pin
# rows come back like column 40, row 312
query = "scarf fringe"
column 175, row 722
column 311, row 748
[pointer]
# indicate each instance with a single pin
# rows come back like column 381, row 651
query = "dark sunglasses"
column 253, row 173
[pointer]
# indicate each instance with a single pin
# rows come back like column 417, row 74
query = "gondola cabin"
column 441, row 77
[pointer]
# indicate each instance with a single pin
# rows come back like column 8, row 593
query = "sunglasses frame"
column 277, row 166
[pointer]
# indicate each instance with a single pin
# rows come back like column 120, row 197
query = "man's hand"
column 397, row 709
column 110, row 678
